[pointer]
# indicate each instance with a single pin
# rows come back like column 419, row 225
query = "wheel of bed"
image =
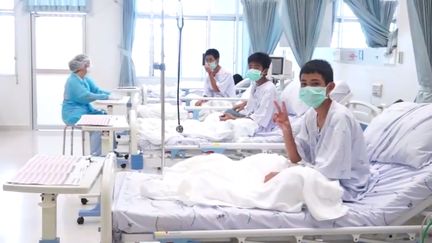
column 80, row 220
column 84, row 201
column 122, row 159
column 123, row 165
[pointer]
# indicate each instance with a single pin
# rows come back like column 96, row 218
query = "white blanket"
column 149, row 129
column 217, row 180
column 153, row 91
column 203, row 114
column 212, row 130
column 154, row 111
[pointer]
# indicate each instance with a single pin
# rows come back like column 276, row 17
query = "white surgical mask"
column 213, row 65
column 313, row 96
column 253, row 74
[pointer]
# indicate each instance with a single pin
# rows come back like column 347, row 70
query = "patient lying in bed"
column 217, row 180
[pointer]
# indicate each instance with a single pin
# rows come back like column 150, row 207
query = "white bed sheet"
column 217, row 180
column 398, row 189
column 153, row 91
column 211, row 130
column 195, row 132
column 154, row 111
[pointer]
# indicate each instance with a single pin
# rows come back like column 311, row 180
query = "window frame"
column 341, row 18
column 236, row 18
column 35, row 71
column 11, row 12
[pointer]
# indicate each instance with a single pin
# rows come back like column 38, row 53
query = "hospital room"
column 189, row 121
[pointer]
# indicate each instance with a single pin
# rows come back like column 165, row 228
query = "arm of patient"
column 270, row 175
column 240, row 106
column 282, row 120
column 200, row 102
column 227, row 116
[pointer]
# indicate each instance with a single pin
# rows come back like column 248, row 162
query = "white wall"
column 103, row 37
column 15, row 92
column 399, row 81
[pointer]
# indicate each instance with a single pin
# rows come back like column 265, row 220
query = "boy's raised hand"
column 280, row 117
column 208, row 69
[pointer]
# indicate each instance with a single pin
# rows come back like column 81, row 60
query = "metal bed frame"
column 396, row 232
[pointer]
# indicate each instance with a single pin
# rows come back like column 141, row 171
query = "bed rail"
column 106, row 190
column 362, row 111
column 133, row 146
column 297, row 233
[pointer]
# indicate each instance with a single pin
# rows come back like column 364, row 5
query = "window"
column 347, row 32
column 7, row 4
column 53, row 51
column 57, row 38
column 207, row 24
column 7, row 40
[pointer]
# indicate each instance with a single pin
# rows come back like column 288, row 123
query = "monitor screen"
column 277, row 65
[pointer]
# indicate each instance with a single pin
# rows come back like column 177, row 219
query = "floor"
column 20, row 213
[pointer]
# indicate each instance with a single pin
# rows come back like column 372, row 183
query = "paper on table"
column 94, row 120
column 50, row 170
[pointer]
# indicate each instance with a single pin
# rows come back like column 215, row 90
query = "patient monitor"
column 280, row 69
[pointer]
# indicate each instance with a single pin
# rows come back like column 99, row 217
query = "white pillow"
column 341, row 93
column 402, row 134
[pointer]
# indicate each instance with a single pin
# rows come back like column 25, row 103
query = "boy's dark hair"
column 321, row 67
column 237, row 78
column 261, row 58
column 213, row 52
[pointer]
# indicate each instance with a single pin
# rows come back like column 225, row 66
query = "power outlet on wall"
column 377, row 89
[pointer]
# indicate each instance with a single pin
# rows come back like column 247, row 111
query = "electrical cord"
column 180, row 24
column 424, row 231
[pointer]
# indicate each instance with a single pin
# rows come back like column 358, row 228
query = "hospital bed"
column 213, row 104
column 151, row 94
column 177, row 142
column 150, row 98
column 402, row 192
column 136, row 218
column 188, row 91
column 153, row 111
column 145, row 136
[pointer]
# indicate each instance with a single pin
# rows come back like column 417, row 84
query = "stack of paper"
column 94, row 120
column 51, row 170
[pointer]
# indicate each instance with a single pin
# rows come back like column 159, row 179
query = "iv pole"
column 161, row 67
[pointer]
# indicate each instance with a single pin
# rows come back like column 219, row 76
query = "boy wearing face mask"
column 330, row 139
column 259, row 107
column 219, row 83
